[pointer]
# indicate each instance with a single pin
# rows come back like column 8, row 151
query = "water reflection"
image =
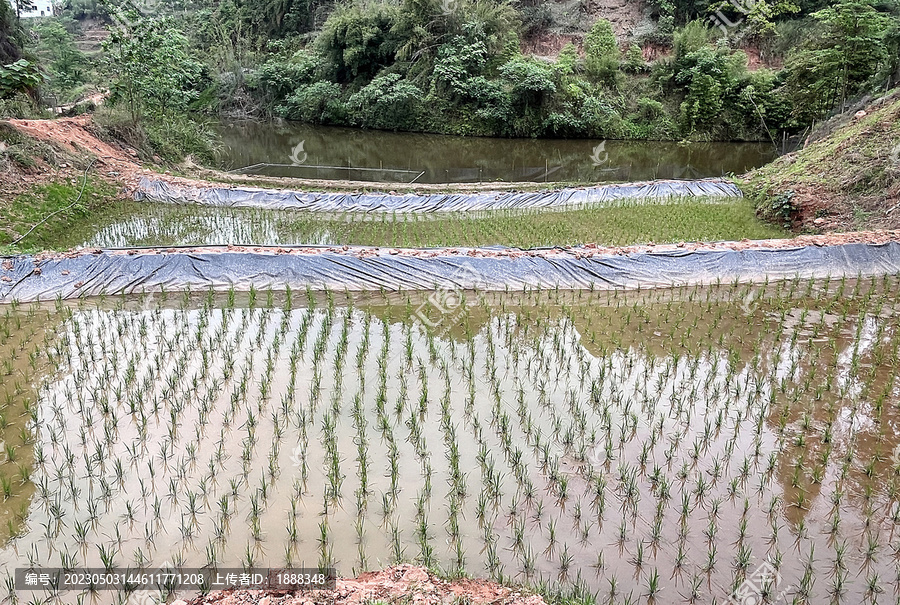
column 365, row 155
column 536, row 435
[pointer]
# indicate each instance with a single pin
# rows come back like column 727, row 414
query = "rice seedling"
column 694, row 435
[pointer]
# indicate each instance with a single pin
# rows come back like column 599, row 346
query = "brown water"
column 582, row 439
column 371, row 155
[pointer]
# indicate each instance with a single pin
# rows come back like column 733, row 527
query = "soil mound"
column 401, row 583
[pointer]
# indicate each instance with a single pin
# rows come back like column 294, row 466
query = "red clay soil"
column 72, row 135
column 548, row 44
column 402, row 583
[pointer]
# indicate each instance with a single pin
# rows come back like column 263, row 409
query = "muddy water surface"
column 667, row 442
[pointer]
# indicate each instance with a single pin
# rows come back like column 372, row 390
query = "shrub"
column 316, row 103
column 650, row 109
column 358, row 42
column 779, row 208
column 601, row 119
column 21, row 76
column 567, row 60
column 171, row 138
column 20, row 106
column 691, row 38
column 457, row 63
column 634, row 60
column 601, row 54
column 276, row 79
column 529, row 82
column 389, row 102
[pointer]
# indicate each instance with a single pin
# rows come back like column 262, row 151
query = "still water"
column 303, row 151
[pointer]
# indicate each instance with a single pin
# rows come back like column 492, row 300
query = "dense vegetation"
column 8, row 50
column 457, row 66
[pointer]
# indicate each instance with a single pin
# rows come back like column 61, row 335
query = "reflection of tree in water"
column 836, row 418
column 20, row 374
column 466, row 159
column 823, row 364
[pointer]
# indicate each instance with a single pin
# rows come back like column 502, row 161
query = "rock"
column 819, row 221
column 860, row 114
column 265, row 601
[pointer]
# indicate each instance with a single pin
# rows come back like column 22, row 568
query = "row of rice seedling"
column 624, row 223
column 631, row 446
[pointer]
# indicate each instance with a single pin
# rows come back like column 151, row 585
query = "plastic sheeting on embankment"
column 28, row 279
column 279, row 199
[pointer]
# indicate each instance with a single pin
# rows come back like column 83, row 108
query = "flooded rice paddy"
column 620, row 223
column 628, row 445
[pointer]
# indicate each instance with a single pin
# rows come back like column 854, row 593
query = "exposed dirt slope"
column 73, row 136
column 570, row 20
column 850, row 179
column 402, row 583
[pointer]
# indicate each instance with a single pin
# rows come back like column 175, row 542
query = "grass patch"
column 171, row 139
column 21, row 213
column 850, row 179
column 625, row 224
column 18, row 149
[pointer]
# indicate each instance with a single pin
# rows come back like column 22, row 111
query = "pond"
column 302, row 151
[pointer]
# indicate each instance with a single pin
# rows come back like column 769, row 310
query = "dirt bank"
column 848, row 180
column 586, row 251
column 402, row 583
column 73, row 136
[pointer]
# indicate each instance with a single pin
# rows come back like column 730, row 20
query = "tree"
column 357, row 42
column 59, row 55
column 24, row 6
column 758, row 15
column 151, row 69
column 837, row 63
column 9, row 44
column 601, row 52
